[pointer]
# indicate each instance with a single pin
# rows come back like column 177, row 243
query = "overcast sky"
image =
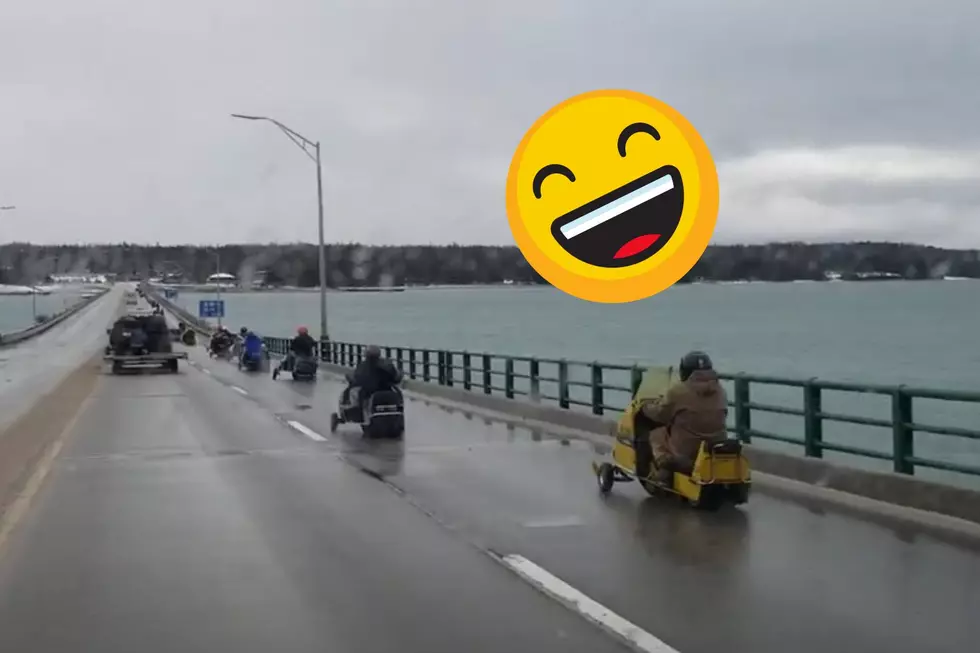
column 841, row 119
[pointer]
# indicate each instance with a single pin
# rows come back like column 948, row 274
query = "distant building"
column 223, row 279
column 258, row 280
column 78, row 278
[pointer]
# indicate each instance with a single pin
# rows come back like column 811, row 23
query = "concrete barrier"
column 187, row 318
column 10, row 339
column 899, row 490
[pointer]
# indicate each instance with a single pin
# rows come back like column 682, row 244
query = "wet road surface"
column 34, row 367
column 773, row 576
column 182, row 516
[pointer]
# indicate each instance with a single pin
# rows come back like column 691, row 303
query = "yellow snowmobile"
column 720, row 474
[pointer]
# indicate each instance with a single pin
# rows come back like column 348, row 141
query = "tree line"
column 355, row 265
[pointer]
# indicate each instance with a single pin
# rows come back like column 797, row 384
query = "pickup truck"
column 141, row 340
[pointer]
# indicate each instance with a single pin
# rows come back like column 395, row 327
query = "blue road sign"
column 211, row 308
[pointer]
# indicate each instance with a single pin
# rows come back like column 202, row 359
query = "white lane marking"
column 597, row 613
column 240, row 391
column 305, row 430
column 205, row 370
column 555, row 522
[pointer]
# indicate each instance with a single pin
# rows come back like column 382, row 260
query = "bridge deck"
column 33, row 367
column 186, row 514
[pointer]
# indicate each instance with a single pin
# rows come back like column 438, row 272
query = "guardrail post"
column 636, row 379
column 534, row 372
column 450, row 369
column 360, row 354
column 425, row 365
column 743, row 414
column 411, row 363
column 324, row 349
column 597, row 399
column 509, row 377
column 387, row 352
column 487, row 374
column 563, row 383
column 812, row 420
column 466, row 371
column 902, row 433
column 400, row 358
column 441, row 367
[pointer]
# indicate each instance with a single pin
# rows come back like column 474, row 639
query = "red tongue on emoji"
column 637, row 245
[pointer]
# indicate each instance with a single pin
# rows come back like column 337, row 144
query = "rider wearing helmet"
column 692, row 411
column 372, row 374
column 252, row 346
column 302, row 346
column 221, row 341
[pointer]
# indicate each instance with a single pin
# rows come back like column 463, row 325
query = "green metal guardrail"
column 523, row 376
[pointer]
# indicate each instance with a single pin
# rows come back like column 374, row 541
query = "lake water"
column 17, row 311
column 916, row 333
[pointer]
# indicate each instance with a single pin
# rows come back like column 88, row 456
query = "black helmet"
column 372, row 352
column 694, row 360
column 243, row 331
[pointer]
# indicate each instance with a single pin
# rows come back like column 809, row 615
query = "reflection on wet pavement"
column 777, row 574
column 381, row 458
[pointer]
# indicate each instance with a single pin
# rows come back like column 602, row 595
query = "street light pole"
column 321, row 249
column 306, row 145
column 11, row 207
column 217, row 279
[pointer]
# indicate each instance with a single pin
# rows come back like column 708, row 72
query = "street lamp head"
column 243, row 117
column 7, row 208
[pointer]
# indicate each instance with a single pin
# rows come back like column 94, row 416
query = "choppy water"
column 916, row 333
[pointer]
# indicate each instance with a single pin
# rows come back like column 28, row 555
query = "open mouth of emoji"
column 626, row 225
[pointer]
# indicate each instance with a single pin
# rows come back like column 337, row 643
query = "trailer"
column 167, row 361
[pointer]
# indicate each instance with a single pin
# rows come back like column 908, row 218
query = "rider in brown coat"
column 690, row 412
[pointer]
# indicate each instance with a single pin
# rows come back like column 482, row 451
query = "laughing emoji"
column 612, row 196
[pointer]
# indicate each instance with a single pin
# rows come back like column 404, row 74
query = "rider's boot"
column 664, row 472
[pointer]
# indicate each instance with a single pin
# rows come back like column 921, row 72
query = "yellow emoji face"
column 612, row 196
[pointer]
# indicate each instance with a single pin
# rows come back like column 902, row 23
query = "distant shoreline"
column 237, row 290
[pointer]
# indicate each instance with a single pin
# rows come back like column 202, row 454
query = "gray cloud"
column 114, row 115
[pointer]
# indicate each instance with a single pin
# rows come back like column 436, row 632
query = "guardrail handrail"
column 484, row 371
